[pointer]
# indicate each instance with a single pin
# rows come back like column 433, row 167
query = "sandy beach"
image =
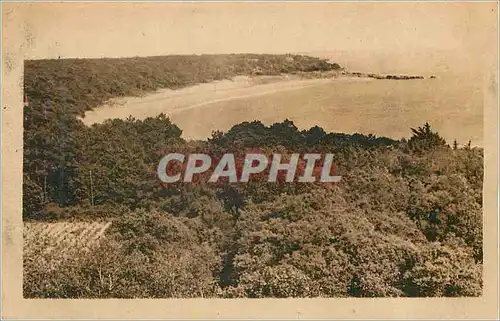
column 342, row 104
column 170, row 101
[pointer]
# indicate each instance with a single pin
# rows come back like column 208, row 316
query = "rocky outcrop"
column 379, row 76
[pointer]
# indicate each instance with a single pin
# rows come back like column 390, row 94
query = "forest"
column 405, row 220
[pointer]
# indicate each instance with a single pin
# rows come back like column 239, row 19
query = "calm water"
column 452, row 105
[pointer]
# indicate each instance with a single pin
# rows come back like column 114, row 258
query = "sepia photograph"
column 244, row 150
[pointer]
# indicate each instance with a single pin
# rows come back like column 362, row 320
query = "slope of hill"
column 405, row 220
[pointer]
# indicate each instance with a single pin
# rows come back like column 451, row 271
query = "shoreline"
column 218, row 105
column 169, row 101
column 387, row 76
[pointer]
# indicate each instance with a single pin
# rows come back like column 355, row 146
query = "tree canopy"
column 405, row 220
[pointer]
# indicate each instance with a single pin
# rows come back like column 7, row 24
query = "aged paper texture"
column 250, row 160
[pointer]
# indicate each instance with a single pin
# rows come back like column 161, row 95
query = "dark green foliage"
column 397, row 224
column 152, row 255
column 122, row 157
column 35, row 197
column 58, row 90
column 406, row 219
column 425, row 139
column 58, row 82
column 447, row 269
column 256, row 134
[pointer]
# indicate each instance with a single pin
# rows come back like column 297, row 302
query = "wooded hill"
column 406, row 219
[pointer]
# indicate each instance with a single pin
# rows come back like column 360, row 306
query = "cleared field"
column 62, row 238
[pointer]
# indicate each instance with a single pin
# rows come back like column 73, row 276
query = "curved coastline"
column 170, row 101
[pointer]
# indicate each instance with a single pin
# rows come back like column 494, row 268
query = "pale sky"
column 143, row 29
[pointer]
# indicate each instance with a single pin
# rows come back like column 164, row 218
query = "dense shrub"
column 147, row 255
column 405, row 220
